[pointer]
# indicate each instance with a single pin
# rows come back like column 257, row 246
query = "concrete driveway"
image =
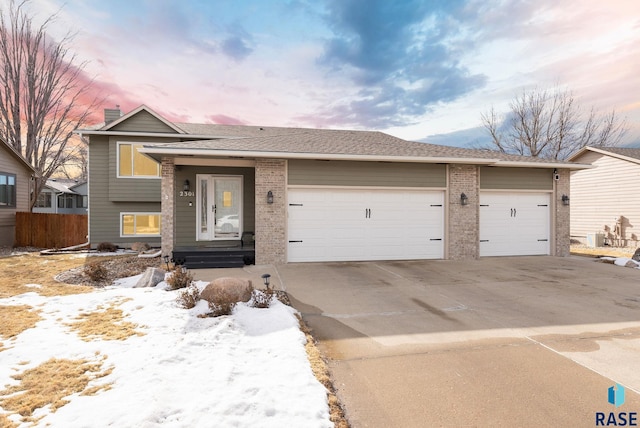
column 521, row 341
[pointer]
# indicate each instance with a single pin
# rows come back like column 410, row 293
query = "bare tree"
column 549, row 124
column 76, row 165
column 43, row 92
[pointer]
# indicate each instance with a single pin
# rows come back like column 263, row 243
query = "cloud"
column 405, row 58
column 225, row 120
column 236, row 46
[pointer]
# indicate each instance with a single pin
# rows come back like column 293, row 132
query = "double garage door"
column 356, row 225
column 514, row 224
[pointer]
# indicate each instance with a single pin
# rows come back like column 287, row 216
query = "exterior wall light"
column 464, row 199
column 166, row 260
column 187, row 186
column 269, row 197
column 565, row 200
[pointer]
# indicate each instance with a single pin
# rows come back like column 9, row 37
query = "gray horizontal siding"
column 185, row 215
column 130, row 189
column 516, row 178
column 10, row 165
column 348, row 173
column 142, row 122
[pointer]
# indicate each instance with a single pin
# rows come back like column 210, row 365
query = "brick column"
column 464, row 220
column 271, row 219
column 562, row 215
column 167, row 203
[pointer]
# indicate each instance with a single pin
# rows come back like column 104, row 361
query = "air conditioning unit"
column 595, row 240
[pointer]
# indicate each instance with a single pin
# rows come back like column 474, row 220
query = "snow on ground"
column 245, row 370
column 622, row 261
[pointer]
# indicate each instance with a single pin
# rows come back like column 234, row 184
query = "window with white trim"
column 139, row 224
column 132, row 163
column 7, row 190
column 65, row 200
column 44, row 200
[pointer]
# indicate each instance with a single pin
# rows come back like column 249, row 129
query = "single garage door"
column 357, row 225
column 514, row 224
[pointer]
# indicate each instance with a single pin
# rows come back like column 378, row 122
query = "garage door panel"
column 358, row 225
column 515, row 224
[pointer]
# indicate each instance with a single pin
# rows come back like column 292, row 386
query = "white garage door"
column 357, row 225
column 514, row 224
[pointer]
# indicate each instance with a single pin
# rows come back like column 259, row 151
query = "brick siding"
column 271, row 220
column 167, row 204
column 463, row 241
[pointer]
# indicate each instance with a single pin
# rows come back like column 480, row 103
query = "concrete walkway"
column 527, row 341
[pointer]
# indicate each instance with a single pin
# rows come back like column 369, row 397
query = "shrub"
column 107, row 247
column 96, row 272
column 188, row 297
column 262, row 298
column 179, row 278
column 221, row 303
column 140, row 247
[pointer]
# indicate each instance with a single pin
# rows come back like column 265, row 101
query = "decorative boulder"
column 227, row 289
column 636, row 255
column 631, row 264
column 150, row 278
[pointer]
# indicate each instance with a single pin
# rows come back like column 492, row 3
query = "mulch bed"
column 116, row 267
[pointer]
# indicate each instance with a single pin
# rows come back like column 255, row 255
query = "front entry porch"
column 214, row 257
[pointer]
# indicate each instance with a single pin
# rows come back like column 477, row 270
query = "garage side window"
column 139, row 224
column 132, row 163
column 7, row 190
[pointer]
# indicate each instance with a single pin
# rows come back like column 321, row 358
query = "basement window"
column 139, row 224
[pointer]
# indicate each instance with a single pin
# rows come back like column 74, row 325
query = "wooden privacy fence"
column 50, row 230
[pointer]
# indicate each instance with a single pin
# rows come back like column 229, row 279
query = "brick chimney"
column 111, row 114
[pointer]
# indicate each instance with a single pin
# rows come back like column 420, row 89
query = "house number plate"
column 187, row 194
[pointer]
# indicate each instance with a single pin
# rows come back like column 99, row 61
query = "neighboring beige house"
column 15, row 186
column 63, row 196
column 223, row 195
column 605, row 200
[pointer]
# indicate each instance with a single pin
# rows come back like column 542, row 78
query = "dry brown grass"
column 48, row 384
column 16, row 319
column 6, row 422
column 105, row 323
column 321, row 372
column 17, row 271
column 580, row 250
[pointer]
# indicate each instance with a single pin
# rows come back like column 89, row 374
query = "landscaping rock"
column 227, row 289
column 631, row 264
column 610, row 261
column 636, row 255
column 150, row 278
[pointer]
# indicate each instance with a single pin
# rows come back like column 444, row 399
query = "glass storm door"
column 219, row 207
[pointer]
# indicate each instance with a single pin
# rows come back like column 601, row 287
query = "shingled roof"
column 627, row 153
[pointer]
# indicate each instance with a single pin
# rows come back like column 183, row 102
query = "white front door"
column 355, row 224
column 515, row 224
column 219, row 207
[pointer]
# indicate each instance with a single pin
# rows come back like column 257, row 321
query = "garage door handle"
column 542, row 240
column 295, row 241
column 436, row 205
column 296, row 205
column 545, row 205
column 435, row 239
column 484, row 240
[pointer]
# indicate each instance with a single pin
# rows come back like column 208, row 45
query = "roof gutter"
column 187, row 137
column 157, row 153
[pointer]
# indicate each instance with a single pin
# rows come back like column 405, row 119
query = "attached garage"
column 515, row 211
column 328, row 224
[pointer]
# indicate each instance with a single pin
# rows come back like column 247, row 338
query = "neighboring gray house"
column 605, row 201
column 61, row 196
column 315, row 194
column 15, row 187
